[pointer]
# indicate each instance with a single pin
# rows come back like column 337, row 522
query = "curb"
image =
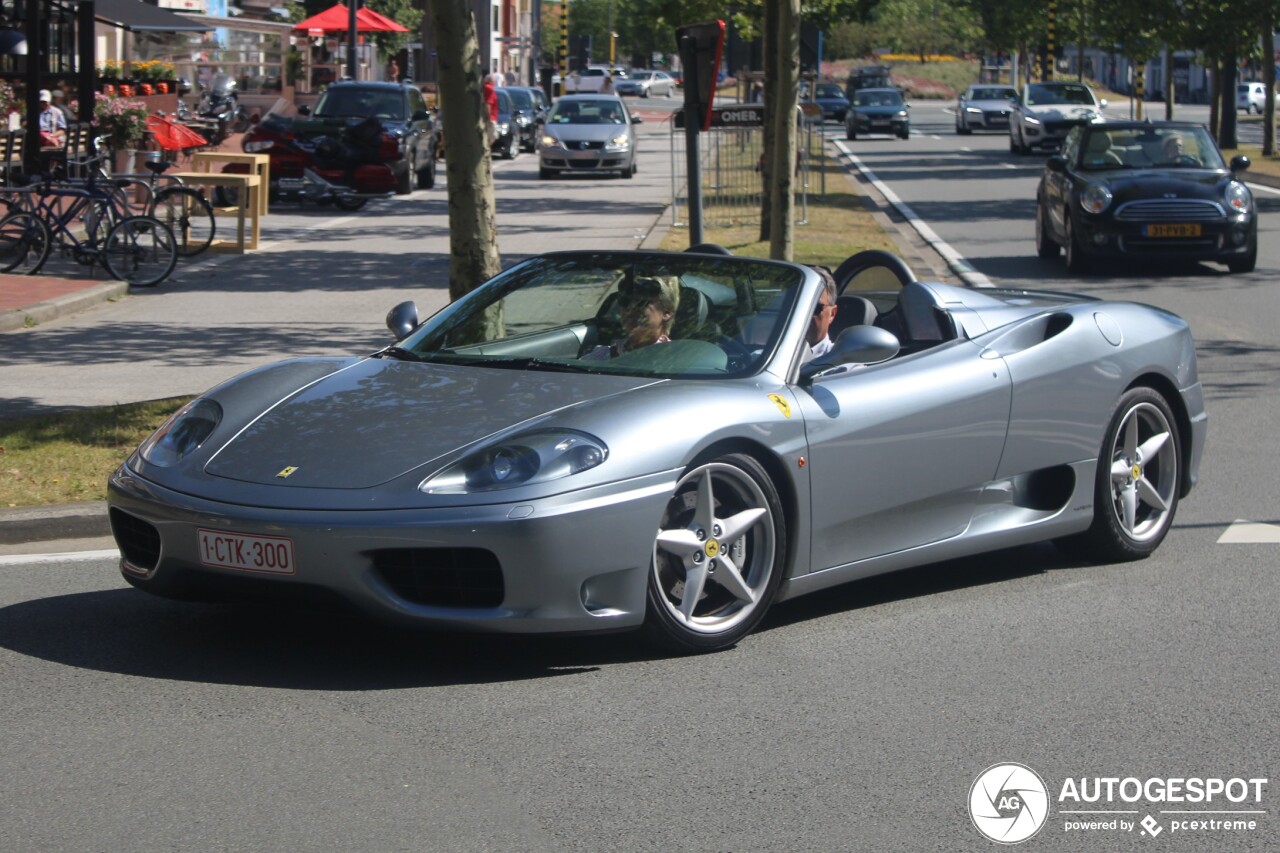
column 70, row 303
column 60, row 521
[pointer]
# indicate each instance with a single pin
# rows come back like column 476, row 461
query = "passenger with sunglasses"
column 646, row 308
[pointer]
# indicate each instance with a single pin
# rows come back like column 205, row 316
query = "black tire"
column 427, row 176
column 140, row 250
column 545, row 174
column 1077, row 261
column 962, row 131
column 189, row 215
column 1137, row 483
column 1046, row 246
column 404, row 180
column 24, row 243
column 630, row 172
column 349, row 204
column 729, row 497
column 849, row 132
column 1014, row 148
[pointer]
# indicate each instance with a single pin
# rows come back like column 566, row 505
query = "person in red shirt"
column 491, row 101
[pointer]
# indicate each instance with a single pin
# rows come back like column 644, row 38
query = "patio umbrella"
column 336, row 19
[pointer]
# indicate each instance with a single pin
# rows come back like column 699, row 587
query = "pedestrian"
column 53, row 124
column 490, row 93
column 393, row 71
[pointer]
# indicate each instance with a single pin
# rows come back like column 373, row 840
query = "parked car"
column 481, row 474
column 1251, row 97
column 877, row 111
column 588, row 133
column 529, row 110
column 505, row 144
column 984, row 108
column 1152, row 190
column 646, row 84
column 829, row 98
column 1045, row 112
column 404, row 118
column 594, row 78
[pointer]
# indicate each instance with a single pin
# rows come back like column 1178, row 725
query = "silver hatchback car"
column 588, row 133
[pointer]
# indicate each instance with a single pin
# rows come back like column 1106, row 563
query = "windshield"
column 1040, row 94
column 590, row 312
column 877, row 98
column 992, row 94
column 1146, row 147
column 351, row 102
column 586, row 111
column 504, row 101
column 829, row 90
column 519, row 97
column 642, row 75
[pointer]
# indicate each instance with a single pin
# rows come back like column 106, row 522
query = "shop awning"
column 136, row 16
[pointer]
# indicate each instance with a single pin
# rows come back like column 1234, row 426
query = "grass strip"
column 67, row 457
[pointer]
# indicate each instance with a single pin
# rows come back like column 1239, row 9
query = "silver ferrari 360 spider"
column 523, row 462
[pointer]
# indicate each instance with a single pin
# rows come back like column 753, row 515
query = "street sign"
column 701, row 47
column 738, row 115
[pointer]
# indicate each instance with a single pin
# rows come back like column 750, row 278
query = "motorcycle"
column 220, row 107
column 343, row 165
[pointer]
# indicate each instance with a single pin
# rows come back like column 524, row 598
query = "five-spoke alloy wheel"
column 718, row 556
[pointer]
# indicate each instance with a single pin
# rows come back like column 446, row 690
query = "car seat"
column 852, row 310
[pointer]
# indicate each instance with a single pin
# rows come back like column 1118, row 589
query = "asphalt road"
column 855, row 720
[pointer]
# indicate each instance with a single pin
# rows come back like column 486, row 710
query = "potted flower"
column 122, row 122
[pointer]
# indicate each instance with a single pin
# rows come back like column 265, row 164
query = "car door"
column 899, row 451
column 1057, row 185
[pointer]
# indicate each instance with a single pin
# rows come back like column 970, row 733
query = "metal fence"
column 732, row 186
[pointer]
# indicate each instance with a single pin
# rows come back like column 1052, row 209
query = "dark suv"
column 404, row 117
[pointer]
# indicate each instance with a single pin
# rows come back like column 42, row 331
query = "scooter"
column 344, row 167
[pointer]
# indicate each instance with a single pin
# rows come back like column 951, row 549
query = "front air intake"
column 442, row 577
column 138, row 541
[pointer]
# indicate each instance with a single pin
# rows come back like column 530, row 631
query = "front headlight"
column 1030, row 119
column 622, row 140
column 185, row 431
column 973, row 110
column 537, row 457
column 901, row 114
column 1095, row 198
column 504, row 128
column 1238, row 199
column 257, row 145
column 548, row 141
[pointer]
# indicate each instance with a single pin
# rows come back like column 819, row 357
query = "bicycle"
column 140, row 250
column 184, row 209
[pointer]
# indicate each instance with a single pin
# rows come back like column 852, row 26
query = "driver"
column 818, row 336
column 647, row 308
column 1174, row 153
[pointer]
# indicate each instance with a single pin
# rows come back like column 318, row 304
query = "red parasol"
column 172, row 136
column 336, row 19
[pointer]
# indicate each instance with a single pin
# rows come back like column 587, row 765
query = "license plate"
column 1177, row 230
column 224, row 550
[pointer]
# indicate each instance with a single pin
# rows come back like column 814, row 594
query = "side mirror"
column 855, row 345
column 1240, row 162
column 1056, row 163
column 635, row 119
column 1103, row 103
column 421, row 115
column 403, row 319
column 304, row 110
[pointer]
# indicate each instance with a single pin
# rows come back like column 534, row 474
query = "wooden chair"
column 11, row 155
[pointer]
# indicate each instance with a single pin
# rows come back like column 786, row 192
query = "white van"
column 593, row 79
column 1251, row 97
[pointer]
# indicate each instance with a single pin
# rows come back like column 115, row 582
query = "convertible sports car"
column 1147, row 190
column 496, row 470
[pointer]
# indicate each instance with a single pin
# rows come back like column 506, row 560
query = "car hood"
column 585, row 132
column 1127, row 185
column 377, row 419
column 989, row 106
column 1064, row 112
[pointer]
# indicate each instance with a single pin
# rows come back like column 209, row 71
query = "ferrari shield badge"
column 782, row 404
column 285, row 472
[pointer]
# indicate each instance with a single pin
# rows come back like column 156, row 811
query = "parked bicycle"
column 138, row 249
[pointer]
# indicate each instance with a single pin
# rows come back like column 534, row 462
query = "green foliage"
column 924, row 27
column 405, row 13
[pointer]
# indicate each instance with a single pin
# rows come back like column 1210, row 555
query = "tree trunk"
column 770, row 85
column 782, row 236
column 1269, row 80
column 1227, row 138
column 473, row 228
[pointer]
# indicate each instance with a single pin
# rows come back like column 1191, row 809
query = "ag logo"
column 1008, row 803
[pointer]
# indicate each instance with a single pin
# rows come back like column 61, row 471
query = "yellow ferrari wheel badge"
column 285, row 472
column 712, row 548
column 782, row 404
column 1136, row 471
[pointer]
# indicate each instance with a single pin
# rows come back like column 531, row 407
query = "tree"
column 404, row 13
column 473, row 228
column 924, row 27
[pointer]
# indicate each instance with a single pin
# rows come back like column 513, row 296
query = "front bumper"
column 1218, row 240
column 896, row 126
column 595, row 159
column 577, row 562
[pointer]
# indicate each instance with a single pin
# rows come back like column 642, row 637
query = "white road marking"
column 1249, row 532
column 17, row 560
column 954, row 259
column 1263, row 188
